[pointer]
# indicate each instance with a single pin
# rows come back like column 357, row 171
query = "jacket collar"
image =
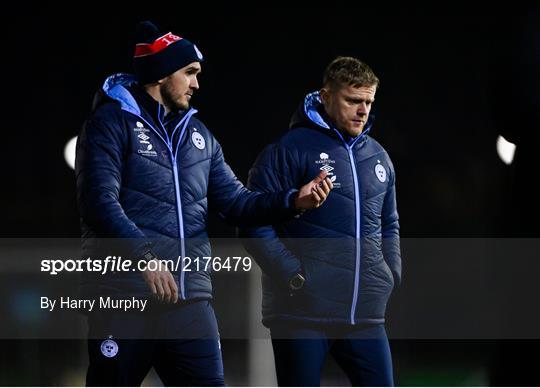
column 124, row 89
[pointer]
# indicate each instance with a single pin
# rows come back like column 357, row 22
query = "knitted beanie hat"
column 159, row 54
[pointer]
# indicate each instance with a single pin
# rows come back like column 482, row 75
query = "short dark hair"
column 349, row 71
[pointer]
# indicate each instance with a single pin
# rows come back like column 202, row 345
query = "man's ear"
column 324, row 95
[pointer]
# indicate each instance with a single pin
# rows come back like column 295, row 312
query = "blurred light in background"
column 506, row 150
column 69, row 152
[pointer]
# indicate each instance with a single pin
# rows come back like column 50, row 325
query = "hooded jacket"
column 144, row 181
column 348, row 249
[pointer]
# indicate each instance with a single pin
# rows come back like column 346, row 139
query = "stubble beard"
column 170, row 102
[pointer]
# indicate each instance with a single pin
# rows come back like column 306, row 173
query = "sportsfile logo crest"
column 325, row 163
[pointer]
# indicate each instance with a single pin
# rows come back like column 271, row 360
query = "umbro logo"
column 326, row 168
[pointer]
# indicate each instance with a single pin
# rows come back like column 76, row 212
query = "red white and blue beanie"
column 159, row 54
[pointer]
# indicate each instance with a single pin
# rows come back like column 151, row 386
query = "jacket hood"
column 121, row 87
column 310, row 114
column 115, row 88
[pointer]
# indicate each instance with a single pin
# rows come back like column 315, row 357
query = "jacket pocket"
column 389, row 274
column 380, row 273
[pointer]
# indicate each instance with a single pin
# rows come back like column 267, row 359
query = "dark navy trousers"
column 362, row 352
column 180, row 342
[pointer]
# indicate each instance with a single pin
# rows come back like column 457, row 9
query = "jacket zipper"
column 180, row 226
column 174, row 158
column 180, row 218
column 357, row 242
column 173, row 154
column 357, row 200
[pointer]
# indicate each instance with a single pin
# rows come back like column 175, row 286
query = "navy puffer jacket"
column 147, row 178
column 348, row 248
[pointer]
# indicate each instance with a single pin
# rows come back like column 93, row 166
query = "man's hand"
column 162, row 284
column 314, row 193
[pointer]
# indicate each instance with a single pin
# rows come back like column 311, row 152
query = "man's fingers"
column 330, row 184
column 321, row 193
column 319, row 178
column 316, row 197
column 163, row 286
column 167, row 292
column 174, row 288
column 325, row 185
column 175, row 296
column 159, row 288
column 153, row 289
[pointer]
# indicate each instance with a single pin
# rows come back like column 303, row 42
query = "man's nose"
column 362, row 109
column 194, row 83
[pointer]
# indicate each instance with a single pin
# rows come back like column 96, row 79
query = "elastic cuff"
column 289, row 273
column 142, row 248
column 290, row 197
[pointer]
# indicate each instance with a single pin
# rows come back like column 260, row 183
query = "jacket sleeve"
column 239, row 206
column 390, row 229
column 98, row 169
column 267, row 175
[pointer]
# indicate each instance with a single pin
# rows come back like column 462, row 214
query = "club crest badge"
column 380, row 172
column 198, row 140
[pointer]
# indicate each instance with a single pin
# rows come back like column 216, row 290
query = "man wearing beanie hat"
column 146, row 170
